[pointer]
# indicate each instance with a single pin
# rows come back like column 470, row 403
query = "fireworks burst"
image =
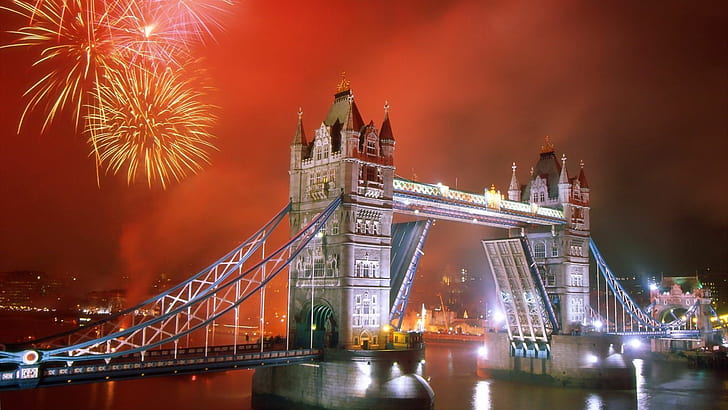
column 151, row 119
column 75, row 49
column 116, row 64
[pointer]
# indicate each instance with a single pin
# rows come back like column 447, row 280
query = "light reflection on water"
column 640, row 384
column 660, row 385
column 481, row 398
column 451, row 368
column 593, row 402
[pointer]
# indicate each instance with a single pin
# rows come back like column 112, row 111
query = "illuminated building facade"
column 561, row 251
column 346, row 271
column 676, row 295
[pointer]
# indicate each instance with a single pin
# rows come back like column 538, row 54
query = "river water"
column 451, row 368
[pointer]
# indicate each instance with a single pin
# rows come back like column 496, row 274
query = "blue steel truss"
column 192, row 305
column 403, row 237
column 642, row 316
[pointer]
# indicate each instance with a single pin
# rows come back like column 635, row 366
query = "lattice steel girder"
column 192, row 305
column 520, row 296
column 629, row 304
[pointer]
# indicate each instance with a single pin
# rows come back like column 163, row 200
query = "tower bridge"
column 350, row 269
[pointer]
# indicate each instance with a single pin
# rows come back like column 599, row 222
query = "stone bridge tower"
column 562, row 252
column 345, row 272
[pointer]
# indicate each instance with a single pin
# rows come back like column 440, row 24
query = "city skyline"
column 636, row 92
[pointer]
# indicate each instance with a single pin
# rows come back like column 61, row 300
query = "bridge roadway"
column 156, row 363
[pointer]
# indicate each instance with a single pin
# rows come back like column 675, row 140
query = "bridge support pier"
column 351, row 379
column 575, row 361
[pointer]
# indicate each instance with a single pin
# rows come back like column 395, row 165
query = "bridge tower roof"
column 344, row 109
column 548, row 167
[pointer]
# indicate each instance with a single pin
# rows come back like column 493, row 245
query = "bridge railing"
column 62, row 374
column 498, row 204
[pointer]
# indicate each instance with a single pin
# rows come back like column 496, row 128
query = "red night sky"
column 637, row 90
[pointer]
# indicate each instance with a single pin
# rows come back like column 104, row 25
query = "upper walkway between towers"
column 439, row 201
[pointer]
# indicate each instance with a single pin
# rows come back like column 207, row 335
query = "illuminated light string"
column 85, row 47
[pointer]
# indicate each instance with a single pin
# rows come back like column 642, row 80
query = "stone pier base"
column 574, row 361
column 350, row 379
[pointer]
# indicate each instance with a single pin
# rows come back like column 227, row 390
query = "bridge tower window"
column 576, row 248
column 539, row 250
column 576, row 313
column 371, row 147
column 319, row 267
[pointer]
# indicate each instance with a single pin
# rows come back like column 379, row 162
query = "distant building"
column 104, row 302
column 28, row 290
column 717, row 284
column 676, row 295
column 464, row 294
column 162, row 283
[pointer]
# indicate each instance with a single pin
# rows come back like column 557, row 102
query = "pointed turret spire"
column 564, row 176
column 582, row 178
column 386, row 130
column 350, row 123
column 514, row 179
column 300, row 137
column 386, row 137
column 564, row 185
column 514, row 189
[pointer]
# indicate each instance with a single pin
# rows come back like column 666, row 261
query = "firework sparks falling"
column 151, row 120
column 76, row 45
column 147, row 30
column 198, row 17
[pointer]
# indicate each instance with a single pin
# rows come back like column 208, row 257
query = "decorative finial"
column 563, row 158
column 531, row 172
column 548, row 146
column 386, row 106
column 581, row 164
column 343, row 84
column 513, row 167
column 300, row 113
